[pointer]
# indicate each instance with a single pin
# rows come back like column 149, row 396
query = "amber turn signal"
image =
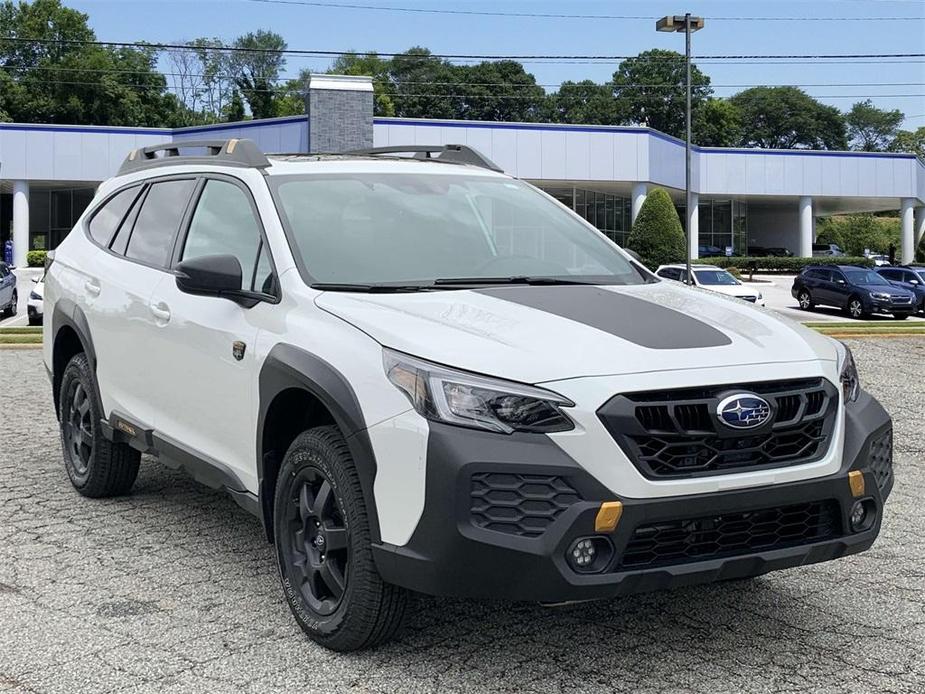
column 608, row 516
column 856, row 482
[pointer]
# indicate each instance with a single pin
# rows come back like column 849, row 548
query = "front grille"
column 730, row 534
column 516, row 504
column 881, row 459
column 677, row 433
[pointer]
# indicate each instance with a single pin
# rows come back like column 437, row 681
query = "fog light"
column 863, row 514
column 589, row 555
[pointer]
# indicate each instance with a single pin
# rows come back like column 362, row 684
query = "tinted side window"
column 668, row 273
column 890, row 274
column 106, row 219
column 836, row 275
column 4, row 270
column 224, row 224
column 157, row 223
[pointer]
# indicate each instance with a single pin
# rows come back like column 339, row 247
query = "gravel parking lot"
column 174, row 589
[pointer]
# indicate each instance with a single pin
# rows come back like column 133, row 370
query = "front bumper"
column 449, row 554
column 881, row 306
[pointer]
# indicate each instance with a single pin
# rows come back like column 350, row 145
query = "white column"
column 919, row 224
column 906, row 212
column 806, row 227
column 693, row 225
column 20, row 222
column 639, row 197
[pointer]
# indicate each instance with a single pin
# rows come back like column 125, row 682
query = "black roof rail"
column 233, row 152
column 453, row 154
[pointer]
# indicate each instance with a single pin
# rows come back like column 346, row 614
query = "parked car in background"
column 713, row 278
column 707, row 251
column 909, row 278
column 859, row 291
column 34, row 307
column 775, row 252
column 880, row 260
column 824, row 249
column 8, row 295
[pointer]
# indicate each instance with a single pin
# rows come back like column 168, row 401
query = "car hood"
column 731, row 289
column 545, row 333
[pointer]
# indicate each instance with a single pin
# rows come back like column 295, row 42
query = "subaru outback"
column 424, row 375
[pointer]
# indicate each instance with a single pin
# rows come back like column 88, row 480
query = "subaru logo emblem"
column 743, row 411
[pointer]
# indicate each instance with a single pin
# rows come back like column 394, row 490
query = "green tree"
column 650, row 90
column 910, row 141
column 857, row 233
column 498, row 91
column 788, row 118
column 234, row 110
column 424, row 86
column 582, row 102
column 717, row 123
column 872, row 129
column 656, row 235
column 256, row 64
column 372, row 65
column 60, row 78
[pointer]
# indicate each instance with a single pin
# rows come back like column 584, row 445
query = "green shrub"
column 36, row 258
column 735, row 272
column 657, row 236
column 785, row 265
column 856, row 233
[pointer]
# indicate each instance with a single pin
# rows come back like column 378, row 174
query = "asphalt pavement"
column 173, row 588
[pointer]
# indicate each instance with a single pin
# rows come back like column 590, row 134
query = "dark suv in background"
column 858, row 290
column 910, row 278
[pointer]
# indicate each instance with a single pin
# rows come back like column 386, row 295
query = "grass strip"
column 20, row 339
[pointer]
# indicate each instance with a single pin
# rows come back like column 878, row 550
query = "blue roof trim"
column 91, row 129
column 239, row 125
column 553, row 127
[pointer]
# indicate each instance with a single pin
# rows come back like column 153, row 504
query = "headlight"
column 34, row 296
column 461, row 398
column 880, row 295
column 850, row 383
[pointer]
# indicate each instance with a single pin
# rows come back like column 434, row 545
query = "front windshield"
column 864, row 277
column 714, row 277
column 375, row 229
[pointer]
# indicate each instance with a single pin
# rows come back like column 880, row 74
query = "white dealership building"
column 741, row 197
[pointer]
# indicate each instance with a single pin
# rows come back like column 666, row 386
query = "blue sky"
column 325, row 28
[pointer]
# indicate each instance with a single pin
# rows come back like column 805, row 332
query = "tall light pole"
column 688, row 25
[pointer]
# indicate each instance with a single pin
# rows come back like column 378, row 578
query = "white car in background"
column 34, row 307
column 713, row 278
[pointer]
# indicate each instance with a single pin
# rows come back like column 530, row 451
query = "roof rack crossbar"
column 234, row 152
column 454, row 154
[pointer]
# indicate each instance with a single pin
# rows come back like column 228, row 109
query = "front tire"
column 900, row 316
column 97, row 467
column 324, row 547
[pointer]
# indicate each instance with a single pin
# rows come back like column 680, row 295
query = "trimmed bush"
column 657, row 236
column 786, row 265
column 36, row 258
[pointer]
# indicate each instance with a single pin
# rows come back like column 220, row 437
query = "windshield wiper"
column 369, row 288
column 516, row 279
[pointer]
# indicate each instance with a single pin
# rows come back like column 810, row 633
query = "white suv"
column 423, row 374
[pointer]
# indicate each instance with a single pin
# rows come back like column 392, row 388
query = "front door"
column 206, row 344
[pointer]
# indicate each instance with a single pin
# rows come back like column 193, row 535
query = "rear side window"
column 106, row 219
column 158, row 221
column 224, row 224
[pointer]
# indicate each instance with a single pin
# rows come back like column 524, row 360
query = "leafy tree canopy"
column 717, row 123
column 584, row 102
column 872, row 129
column 650, row 90
column 788, row 118
column 910, row 141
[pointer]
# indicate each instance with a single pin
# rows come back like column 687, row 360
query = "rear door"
column 207, row 343
column 7, row 282
column 138, row 229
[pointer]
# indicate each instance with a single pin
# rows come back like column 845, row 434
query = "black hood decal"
column 636, row 320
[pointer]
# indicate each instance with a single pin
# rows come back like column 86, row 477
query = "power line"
column 557, row 85
column 450, row 56
column 556, row 15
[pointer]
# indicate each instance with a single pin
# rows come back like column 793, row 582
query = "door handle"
column 160, row 311
column 92, row 287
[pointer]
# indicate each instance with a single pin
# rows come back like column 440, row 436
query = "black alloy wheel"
column 79, row 428
column 318, row 544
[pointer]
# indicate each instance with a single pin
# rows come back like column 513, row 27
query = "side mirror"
column 210, row 275
column 841, row 282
